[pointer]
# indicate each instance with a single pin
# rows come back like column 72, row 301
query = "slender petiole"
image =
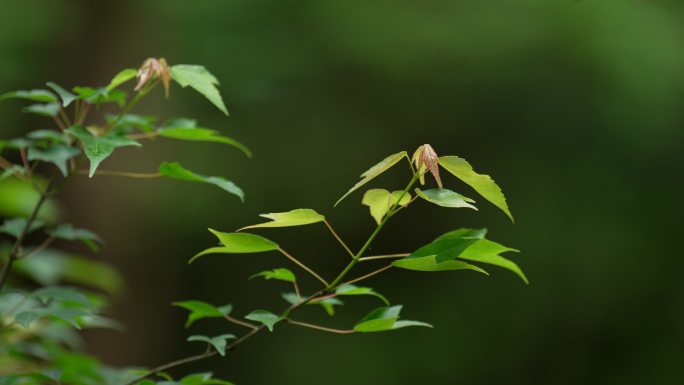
column 334, row 233
column 241, row 323
column 296, row 289
column 123, row 173
column 303, row 266
column 372, row 273
column 322, row 328
column 388, row 256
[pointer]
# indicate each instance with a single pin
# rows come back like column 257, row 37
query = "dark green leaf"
column 238, row 243
column 66, row 96
column 15, row 226
column 280, row 274
column 374, row 171
column 57, row 154
column 265, row 317
column 202, row 135
column 446, row 198
column 33, row 95
column 486, row 251
column 99, row 148
column 383, row 319
column 297, row 217
column 199, row 310
column 68, row 232
column 202, row 379
column 176, row 171
column 483, row 184
column 201, row 80
column 49, row 135
column 49, row 109
column 66, row 314
column 444, row 249
column 219, row 342
column 63, row 294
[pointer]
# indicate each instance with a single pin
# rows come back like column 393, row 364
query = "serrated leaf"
column 238, row 243
column 379, row 201
column 374, row 171
column 200, row 79
column 48, row 109
column 356, row 290
column 219, row 342
column 445, row 198
column 486, row 251
column 199, row 310
column 383, row 319
column 279, row 274
column 44, row 96
column 482, row 183
column 297, row 217
column 265, row 317
column 15, row 226
column 429, row 263
column 69, row 232
column 98, row 148
column 66, row 96
column 121, row 78
column 176, row 171
column 202, row 135
column 57, row 154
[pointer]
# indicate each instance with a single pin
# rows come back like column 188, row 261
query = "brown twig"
column 239, row 322
column 334, row 233
column 322, row 328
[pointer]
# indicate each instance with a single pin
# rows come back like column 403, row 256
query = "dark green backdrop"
column 576, row 108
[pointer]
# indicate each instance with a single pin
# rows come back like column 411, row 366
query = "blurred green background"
column 575, row 107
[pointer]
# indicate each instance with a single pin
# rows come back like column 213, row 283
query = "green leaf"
column 57, row 154
column 175, row 171
column 99, row 148
column 202, row 379
column 33, row 95
column 100, row 95
column 383, row 319
column 15, row 226
column 49, row 109
column 67, row 314
column 66, row 96
column 374, row 171
column 202, row 135
column 121, row 78
column 63, row 294
column 12, row 171
column 201, row 80
column 379, row 201
column 238, row 243
column 444, row 248
column 483, row 184
column 430, row 264
column 68, row 232
column 129, row 122
column 265, row 317
column 328, row 304
column 199, row 310
column 219, row 342
column 356, row 290
column 280, row 274
column 486, row 251
column 48, row 135
column 446, row 198
column 297, row 217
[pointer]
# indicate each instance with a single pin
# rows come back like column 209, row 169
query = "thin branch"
column 122, row 173
column 334, row 233
column 303, row 266
column 239, row 322
column 372, row 273
column 322, row 328
column 388, row 256
column 143, row 135
column 296, row 289
column 25, row 162
column 64, row 116
column 59, row 123
column 83, row 112
column 39, row 248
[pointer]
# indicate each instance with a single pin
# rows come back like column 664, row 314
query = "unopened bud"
column 154, row 69
column 426, row 155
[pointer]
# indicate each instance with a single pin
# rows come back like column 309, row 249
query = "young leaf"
column 175, row 171
column 483, row 184
column 48, row 109
column 68, row 232
column 429, row 263
column 280, row 274
column 446, row 198
column 297, row 217
column 374, row 171
column 199, row 310
column 121, row 78
column 219, row 342
column 328, row 304
column 15, row 226
column 201, row 80
column 58, row 155
column 98, row 148
column 265, row 317
column 202, row 135
column 383, row 319
column 356, row 290
column 379, row 201
column 66, row 96
column 44, row 96
column 486, row 251
column 238, row 243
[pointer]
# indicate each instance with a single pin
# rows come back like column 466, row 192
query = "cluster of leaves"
column 46, row 294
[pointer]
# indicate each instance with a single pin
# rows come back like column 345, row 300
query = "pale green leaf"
column 202, row 135
column 199, row 310
column 297, row 217
column 100, row 95
column 328, row 304
column 238, row 243
column 219, row 342
column 176, row 171
column 48, row 109
column 280, row 274
column 99, row 148
column 265, row 317
column 429, row 263
column 44, row 96
column 483, row 184
column 15, row 226
column 69, row 232
column 379, row 201
column 201, row 80
column 356, row 290
column 374, row 171
column 446, row 198
column 121, row 78
column 66, row 96
column 444, row 248
column 383, row 319
column 58, row 155
column 48, row 135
